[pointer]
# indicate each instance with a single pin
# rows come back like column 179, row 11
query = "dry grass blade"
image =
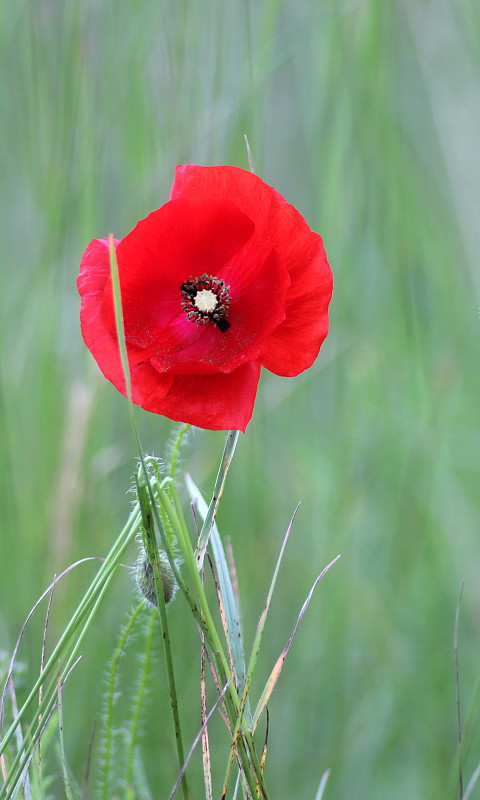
column 222, row 616
column 207, row 771
column 196, row 740
column 275, row 673
column 263, row 757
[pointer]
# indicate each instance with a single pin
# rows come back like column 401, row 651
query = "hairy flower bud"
column 145, row 579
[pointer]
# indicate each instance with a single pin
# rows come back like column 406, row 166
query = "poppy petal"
column 225, row 278
column 182, row 239
column 294, row 345
column 217, row 402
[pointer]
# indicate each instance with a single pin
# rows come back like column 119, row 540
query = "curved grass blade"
column 323, row 783
column 255, row 651
column 275, row 673
column 20, row 637
column 62, row 658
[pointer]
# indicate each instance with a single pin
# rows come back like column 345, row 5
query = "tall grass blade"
column 197, row 739
column 72, row 791
column 323, row 783
column 244, row 700
column 149, row 512
column 275, row 673
column 206, row 761
column 233, row 622
column 142, row 684
column 457, row 693
column 209, row 518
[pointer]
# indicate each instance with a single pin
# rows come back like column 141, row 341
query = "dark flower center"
column 206, row 298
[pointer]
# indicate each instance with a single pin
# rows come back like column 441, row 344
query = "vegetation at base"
column 365, row 116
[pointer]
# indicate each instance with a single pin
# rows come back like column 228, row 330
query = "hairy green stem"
column 150, row 543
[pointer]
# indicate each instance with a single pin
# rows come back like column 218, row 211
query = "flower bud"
column 145, row 579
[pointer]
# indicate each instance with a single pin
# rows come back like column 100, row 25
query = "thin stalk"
column 103, row 574
column 150, row 543
column 175, row 449
column 110, row 700
column 137, row 706
column 203, row 616
column 228, row 453
column 232, row 700
column 49, row 700
column 149, row 536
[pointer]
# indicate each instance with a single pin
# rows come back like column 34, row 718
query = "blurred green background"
column 366, row 116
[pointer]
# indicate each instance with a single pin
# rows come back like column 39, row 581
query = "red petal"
column 253, row 315
column 182, row 239
column 294, row 344
column 227, row 223
column 249, row 193
column 218, row 402
column 94, row 273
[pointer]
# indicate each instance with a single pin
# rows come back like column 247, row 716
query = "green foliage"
column 121, row 723
column 365, row 116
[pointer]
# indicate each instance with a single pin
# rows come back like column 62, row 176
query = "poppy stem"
column 150, row 543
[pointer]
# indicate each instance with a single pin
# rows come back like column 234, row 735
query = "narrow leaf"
column 209, row 517
column 196, row 741
column 71, row 790
column 323, row 783
column 234, row 629
column 207, row 770
column 244, row 701
column 275, row 673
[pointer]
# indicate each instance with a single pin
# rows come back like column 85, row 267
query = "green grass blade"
column 234, row 627
column 274, row 675
column 108, row 726
column 197, row 739
column 72, row 791
column 131, row 761
column 255, row 651
column 323, row 783
column 209, row 519
column 149, row 512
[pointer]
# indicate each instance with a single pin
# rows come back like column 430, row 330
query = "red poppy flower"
column 222, row 280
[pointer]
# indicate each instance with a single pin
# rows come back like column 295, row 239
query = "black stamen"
column 218, row 315
column 222, row 324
